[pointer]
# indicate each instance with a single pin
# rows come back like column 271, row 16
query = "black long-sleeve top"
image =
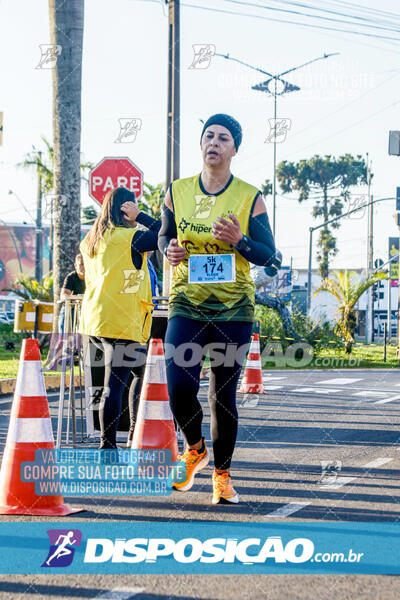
column 259, row 244
column 144, row 241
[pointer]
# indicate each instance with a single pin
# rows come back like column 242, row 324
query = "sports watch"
column 243, row 245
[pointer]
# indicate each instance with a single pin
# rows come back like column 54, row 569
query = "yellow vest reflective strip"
column 117, row 301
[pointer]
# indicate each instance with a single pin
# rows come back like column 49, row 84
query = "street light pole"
column 11, row 192
column 370, row 258
column 309, row 272
column 389, row 305
column 39, row 237
column 274, row 180
column 264, row 87
column 312, row 229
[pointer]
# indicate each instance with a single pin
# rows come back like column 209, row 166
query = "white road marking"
column 288, row 509
column 377, row 463
column 273, row 387
column 339, row 381
column 272, row 377
column 370, row 394
column 120, row 593
column 341, row 481
column 316, row 390
column 388, row 400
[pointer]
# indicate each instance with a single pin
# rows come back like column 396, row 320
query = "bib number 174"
column 212, row 268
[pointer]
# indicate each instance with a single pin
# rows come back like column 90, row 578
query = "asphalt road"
column 317, row 446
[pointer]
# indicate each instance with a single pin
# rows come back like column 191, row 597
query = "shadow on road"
column 58, row 591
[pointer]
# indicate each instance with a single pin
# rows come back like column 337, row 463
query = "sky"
column 347, row 103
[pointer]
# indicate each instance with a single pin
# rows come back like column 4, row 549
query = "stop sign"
column 110, row 173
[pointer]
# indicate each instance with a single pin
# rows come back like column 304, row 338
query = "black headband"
column 226, row 121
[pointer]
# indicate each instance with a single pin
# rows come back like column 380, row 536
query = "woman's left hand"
column 227, row 231
column 131, row 211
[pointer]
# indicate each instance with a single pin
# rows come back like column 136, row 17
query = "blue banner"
column 199, row 547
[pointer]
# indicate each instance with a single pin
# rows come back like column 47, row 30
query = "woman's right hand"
column 131, row 211
column 175, row 253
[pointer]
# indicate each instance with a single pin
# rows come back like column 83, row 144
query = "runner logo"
column 203, row 207
column 203, row 54
column 330, row 471
column 49, row 55
column 133, row 279
column 128, row 130
column 62, row 547
column 278, row 130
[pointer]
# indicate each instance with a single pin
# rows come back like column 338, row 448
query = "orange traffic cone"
column 252, row 382
column 30, row 429
column 154, row 427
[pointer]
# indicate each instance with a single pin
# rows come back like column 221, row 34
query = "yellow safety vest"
column 195, row 212
column 117, row 301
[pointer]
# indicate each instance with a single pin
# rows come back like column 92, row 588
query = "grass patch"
column 9, row 362
column 363, row 356
column 9, row 359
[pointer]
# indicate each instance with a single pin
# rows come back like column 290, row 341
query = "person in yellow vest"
column 117, row 305
column 213, row 226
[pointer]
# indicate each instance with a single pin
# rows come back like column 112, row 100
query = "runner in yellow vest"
column 213, row 226
column 117, row 306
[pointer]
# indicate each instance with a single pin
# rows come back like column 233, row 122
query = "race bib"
column 212, row 268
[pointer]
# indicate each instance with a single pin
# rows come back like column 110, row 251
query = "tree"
column 328, row 180
column 66, row 31
column 347, row 288
column 43, row 161
column 29, row 289
column 266, row 189
column 150, row 202
column 152, row 199
column 89, row 215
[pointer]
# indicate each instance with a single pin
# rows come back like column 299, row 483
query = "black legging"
column 117, row 367
column 183, row 381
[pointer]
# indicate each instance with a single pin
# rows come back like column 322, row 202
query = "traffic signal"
column 394, row 143
column 374, row 292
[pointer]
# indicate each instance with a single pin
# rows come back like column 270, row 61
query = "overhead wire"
column 370, row 116
column 287, row 22
column 307, row 15
column 324, row 9
column 383, row 39
column 327, row 117
column 365, row 8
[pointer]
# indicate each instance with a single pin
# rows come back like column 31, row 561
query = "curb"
column 52, row 383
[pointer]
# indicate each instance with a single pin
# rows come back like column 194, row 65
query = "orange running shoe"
column 195, row 461
column 223, row 491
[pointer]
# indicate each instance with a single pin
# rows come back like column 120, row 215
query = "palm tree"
column 152, row 199
column 347, row 288
column 66, row 30
column 43, row 162
column 29, row 289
